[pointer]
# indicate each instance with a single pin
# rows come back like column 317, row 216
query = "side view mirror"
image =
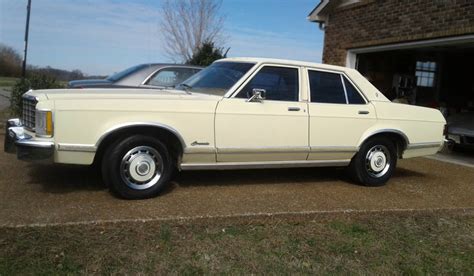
column 258, row 95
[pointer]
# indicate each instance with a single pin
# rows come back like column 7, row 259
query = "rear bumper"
column 25, row 146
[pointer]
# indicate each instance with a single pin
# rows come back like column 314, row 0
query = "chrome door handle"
column 364, row 112
column 294, row 109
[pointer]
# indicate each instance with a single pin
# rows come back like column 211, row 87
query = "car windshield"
column 120, row 75
column 216, row 79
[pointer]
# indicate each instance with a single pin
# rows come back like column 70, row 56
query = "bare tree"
column 10, row 61
column 187, row 24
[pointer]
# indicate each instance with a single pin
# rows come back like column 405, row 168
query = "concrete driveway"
column 46, row 194
column 464, row 156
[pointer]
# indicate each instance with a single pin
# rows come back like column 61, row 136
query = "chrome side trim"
column 334, row 149
column 231, row 150
column 76, row 147
column 148, row 124
column 264, row 165
column 424, row 145
column 196, row 150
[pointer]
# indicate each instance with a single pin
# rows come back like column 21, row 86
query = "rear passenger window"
column 332, row 88
column 326, row 88
column 353, row 96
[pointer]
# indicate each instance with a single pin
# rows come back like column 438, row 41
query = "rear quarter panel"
column 422, row 126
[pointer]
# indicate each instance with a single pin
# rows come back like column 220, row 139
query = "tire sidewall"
column 113, row 161
column 359, row 165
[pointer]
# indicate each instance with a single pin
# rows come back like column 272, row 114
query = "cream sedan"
column 239, row 113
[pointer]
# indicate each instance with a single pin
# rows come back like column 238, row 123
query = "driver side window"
column 280, row 84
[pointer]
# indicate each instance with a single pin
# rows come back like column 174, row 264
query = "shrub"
column 207, row 54
column 37, row 81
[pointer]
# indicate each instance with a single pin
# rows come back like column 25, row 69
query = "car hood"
column 105, row 93
column 461, row 123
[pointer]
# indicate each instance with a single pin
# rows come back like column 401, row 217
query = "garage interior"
column 439, row 76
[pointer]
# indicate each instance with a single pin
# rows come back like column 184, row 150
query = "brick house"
column 423, row 49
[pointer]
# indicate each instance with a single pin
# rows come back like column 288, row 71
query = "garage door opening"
column 438, row 76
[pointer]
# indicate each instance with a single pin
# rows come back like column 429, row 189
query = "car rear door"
column 338, row 115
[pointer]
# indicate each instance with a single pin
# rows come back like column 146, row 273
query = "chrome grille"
column 29, row 112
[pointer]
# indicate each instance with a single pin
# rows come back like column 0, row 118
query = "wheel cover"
column 141, row 167
column 378, row 161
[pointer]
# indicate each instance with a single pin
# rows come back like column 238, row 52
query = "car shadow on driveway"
column 262, row 176
column 405, row 173
column 65, row 178
column 70, row 178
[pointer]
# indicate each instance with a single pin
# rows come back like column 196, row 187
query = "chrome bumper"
column 25, row 146
column 448, row 141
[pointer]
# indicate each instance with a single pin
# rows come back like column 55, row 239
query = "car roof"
column 159, row 65
column 367, row 88
column 287, row 62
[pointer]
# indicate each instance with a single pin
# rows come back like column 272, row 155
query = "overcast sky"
column 106, row 36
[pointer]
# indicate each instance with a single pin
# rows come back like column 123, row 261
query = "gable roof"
column 316, row 14
column 322, row 11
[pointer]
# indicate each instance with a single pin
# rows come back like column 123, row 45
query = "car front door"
column 339, row 115
column 265, row 120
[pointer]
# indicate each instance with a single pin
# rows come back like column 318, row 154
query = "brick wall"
column 378, row 22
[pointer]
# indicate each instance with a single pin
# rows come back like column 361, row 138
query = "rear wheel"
column 137, row 167
column 375, row 162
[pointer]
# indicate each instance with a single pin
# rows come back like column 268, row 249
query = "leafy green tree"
column 207, row 54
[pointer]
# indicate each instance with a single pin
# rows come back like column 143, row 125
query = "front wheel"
column 137, row 167
column 375, row 162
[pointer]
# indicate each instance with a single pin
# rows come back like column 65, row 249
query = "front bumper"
column 25, row 146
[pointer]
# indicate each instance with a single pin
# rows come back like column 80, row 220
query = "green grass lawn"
column 7, row 82
column 406, row 243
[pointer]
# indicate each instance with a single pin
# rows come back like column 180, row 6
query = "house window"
column 425, row 73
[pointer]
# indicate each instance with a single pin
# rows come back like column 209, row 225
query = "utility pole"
column 25, row 51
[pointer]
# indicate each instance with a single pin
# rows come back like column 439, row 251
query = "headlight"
column 44, row 123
